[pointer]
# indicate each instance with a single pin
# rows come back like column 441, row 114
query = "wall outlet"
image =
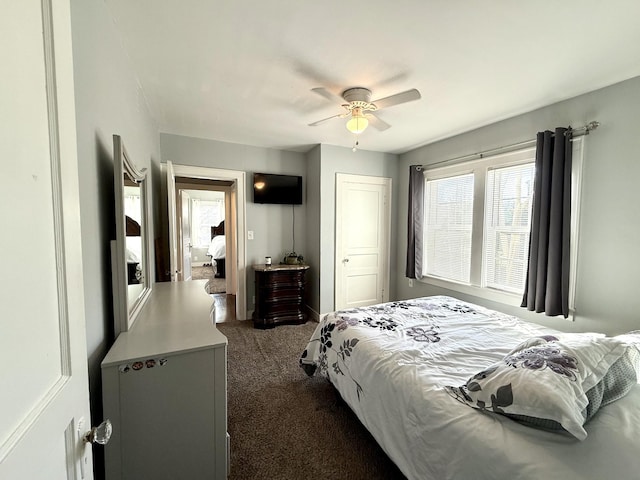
column 250, row 235
column 411, row 282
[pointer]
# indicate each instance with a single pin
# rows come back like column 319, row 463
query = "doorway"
column 185, row 234
column 203, row 240
column 182, row 178
column 202, row 245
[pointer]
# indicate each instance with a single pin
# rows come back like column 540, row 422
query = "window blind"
column 509, row 193
column 448, row 227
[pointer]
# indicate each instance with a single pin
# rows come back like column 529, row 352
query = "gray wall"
column 342, row 160
column 314, row 243
column 199, row 256
column 607, row 297
column 314, row 220
column 272, row 224
column 108, row 101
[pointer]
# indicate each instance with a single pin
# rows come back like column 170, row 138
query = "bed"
column 133, row 250
column 412, row 371
column 217, row 250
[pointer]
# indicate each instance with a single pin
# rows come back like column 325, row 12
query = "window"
column 449, row 217
column 477, row 222
column 477, row 219
column 132, row 206
column 204, row 215
column 509, row 197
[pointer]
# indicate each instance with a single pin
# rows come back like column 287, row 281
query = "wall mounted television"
column 279, row 189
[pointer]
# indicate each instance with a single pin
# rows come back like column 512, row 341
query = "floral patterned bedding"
column 392, row 363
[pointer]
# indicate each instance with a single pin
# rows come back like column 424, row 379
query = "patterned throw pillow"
column 555, row 382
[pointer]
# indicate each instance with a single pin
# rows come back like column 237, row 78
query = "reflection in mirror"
column 133, row 239
column 130, row 251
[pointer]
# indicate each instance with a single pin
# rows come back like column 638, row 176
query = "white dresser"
column 165, row 390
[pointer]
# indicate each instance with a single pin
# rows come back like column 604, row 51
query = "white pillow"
column 545, row 378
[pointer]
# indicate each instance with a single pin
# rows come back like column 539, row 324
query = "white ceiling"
column 242, row 71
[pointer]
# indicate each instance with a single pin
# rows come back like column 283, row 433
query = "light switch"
column 250, row 234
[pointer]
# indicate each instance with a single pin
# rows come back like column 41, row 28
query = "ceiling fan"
column 360, row 108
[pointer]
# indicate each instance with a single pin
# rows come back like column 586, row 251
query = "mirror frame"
column 126, row 310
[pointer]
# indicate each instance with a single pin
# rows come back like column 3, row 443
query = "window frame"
column 527, row 229
column 479, row 168
column 442, row 176
column 196, row 225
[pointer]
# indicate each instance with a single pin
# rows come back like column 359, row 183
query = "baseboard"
column 312, row 314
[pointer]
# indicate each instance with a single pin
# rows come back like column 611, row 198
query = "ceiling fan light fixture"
column 358, row 122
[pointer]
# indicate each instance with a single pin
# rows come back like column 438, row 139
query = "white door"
column 44, row 394
column 185, row 234
column 173, row 224
column 363, row 216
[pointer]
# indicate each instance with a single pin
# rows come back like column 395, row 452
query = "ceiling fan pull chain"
column 355, row 145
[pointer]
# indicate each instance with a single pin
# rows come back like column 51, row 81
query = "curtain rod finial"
column 592, row 126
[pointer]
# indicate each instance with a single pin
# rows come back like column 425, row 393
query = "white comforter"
column 217, row 247
column 390, row 363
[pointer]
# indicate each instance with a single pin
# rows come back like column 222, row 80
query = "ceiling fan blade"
column 323, row 92
column 377, row 123
column 397, row 99
column 325, row 119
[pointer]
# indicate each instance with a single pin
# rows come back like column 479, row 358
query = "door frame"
column 341, row 180
column 185, row 273
column 238, row 178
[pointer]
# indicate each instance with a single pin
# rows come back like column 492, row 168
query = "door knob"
column 100, row 434
column 345, row 260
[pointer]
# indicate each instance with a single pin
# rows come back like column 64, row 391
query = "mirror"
column 129, row 251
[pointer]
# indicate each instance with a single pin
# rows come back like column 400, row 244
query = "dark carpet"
column 286, row 425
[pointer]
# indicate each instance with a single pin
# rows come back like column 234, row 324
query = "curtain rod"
column 577, row 132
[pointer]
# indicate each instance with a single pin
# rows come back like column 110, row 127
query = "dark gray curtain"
column 415, row 219
column 547, row 285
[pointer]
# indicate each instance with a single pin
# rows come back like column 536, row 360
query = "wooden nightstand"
column 279, row 295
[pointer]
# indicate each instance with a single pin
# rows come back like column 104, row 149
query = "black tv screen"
column 281, row 189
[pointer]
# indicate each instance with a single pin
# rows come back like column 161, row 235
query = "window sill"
column 486, row 293
column 505, row 298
